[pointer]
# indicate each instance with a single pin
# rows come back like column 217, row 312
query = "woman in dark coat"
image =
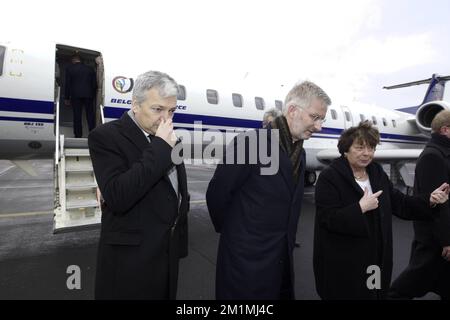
column 353, row 227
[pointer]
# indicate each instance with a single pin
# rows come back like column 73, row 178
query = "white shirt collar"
column 131, row 114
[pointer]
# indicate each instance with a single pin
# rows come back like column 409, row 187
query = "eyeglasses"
column 314, row 117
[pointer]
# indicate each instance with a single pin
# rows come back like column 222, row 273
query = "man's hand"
column 440, row 195
column 67, row 102
column 369, row 202
column 446, row 253
column 165, row 132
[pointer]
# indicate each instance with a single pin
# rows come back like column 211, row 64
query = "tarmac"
column 34, row 261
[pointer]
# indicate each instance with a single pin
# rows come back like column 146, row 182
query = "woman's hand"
column 370, row 202
column 440, row 195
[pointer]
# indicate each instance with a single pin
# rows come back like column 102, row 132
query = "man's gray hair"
column 303, row 94
column 442, row 119
column 274, row 112
column 166, row 85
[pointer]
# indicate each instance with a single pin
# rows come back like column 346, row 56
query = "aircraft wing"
column 412, row 122
column 382, row 155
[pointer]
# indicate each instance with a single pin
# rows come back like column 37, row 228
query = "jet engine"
column 426, row 113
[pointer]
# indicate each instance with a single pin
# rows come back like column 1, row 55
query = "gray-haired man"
column 256, row 214
column 144, row 216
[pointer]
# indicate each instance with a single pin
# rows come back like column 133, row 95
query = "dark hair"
column 364, row 133
column 75, row 56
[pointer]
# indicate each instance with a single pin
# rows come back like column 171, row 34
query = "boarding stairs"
column 76, row 204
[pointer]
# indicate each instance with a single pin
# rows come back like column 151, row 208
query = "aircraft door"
column 92, row 59
column 348, row 117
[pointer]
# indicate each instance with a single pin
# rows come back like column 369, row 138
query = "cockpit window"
column 2, row 58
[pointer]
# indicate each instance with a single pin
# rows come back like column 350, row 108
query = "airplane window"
column 259, row 102
column 363, row 118
column 384, row 122
column 237, row 100
column 347, row 116
column 212, row 96
column 181, row 92
column 279, row 104
column 374, row 120
column 333, row 114
column 2, row 58
column 394, row 124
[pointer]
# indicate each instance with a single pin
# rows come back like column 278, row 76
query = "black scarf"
column 293, row 150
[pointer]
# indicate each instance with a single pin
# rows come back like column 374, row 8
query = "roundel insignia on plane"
column 122, row 84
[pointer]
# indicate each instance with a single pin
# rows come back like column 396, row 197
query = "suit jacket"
column 81, row 82
column 427, row 270
column 144, row 228
column 347, row 241
column 257, row 218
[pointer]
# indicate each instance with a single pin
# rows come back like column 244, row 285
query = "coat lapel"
column 285, row 166
column 182, row 181
column 135, row 135
column 342, row 166
column 132, row 132
column 301, row 178
column 375, row 182
column 286, row 170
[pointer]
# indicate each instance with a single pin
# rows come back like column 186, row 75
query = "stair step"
column 83, row 186
column 79, row 169
column 76, row 204
column 80, row 178
column 76, row 143
column 76, row 152
column 78, row 164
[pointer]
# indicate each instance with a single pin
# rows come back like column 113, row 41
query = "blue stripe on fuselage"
column 25, row 119
column 30, row 106
column 116, row 112
column 47, row 107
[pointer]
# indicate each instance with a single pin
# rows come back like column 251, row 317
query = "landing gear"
column 310, row 178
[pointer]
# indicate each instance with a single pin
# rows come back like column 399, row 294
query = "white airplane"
column 35, row 124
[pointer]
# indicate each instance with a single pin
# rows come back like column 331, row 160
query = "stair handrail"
column 57, row 129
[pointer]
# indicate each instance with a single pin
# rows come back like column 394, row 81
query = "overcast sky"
column 350, row 48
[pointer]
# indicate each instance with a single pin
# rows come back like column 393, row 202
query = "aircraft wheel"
column 310, row 178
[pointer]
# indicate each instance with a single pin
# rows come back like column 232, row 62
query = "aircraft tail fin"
column 435, row 91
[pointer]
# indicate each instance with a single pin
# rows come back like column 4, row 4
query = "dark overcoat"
column 81, row 82
column 346, row 241
column 144, row 226
column 256, row 216
column 428, row 271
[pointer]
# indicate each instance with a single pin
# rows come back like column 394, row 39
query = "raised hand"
column 165, row 132
column 440, row 195
column 446, row 253
column 369, row 202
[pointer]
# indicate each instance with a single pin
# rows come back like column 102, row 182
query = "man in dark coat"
column 256, row 212
column 80, row 90
column 144, row 214
column 429, row 265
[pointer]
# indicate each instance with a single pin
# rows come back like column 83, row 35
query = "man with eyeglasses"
column 144, row 213
column 256, row 214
